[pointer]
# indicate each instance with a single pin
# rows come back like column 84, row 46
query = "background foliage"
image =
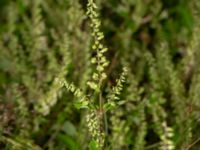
column 156, row 40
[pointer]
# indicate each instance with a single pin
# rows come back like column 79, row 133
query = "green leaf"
column 93, row 145
column 68, row 141
column 69, row 128
column 80, row 105
column 109, row 106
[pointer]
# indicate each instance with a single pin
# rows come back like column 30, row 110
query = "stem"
column 100, row 111
column 195, row 142
column 100, row 97
column 152, row 146
column 106, row 127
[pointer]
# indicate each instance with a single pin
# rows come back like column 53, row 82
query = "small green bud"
column 99, row 55
column 100, row 68
column 95, row 76
column 96, row 42
column 94, row 47
column 103, row 59
column 100, row 46
column 100, row 37
column 103, row 76
column 92, row 85
column 171, row 147
column 104, row 50
column 105, row 64
column 93, row 60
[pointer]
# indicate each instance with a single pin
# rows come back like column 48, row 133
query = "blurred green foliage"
column 157, row 40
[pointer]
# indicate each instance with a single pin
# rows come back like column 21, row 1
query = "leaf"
column 68, row 141
column 69, row 128
column 80, row 105
column 93, row 145
column 109, row 106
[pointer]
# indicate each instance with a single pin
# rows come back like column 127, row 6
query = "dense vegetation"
column 99, row 75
